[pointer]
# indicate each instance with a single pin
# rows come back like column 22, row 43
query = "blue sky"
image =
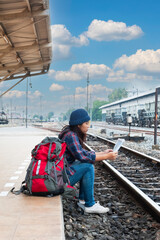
column 115, row 42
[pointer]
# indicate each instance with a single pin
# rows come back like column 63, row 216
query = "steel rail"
column 127, row 148
column 111, row 142
column 125, row 129
column 147, row 202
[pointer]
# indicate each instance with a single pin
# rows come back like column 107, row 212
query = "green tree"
column 41, row 117
column 35, row 116
column 65, row 116
column 117, row 94
column 96, row 112
column 68, row 113
column 50, row 115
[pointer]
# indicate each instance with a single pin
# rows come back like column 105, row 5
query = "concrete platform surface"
column 25, row 217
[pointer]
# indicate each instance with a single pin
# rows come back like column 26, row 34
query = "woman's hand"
column 107, row 154
column 112, row 155
column 108, row 150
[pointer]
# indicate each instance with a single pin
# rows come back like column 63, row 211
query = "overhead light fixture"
column 6, row 38
column 18, row 59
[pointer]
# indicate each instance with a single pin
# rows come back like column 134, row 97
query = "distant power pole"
column 27, row 102
column 1, row 103
column 87, row 90
column 41, row 105
column 90, row 106
column 74, row 97
column 11, row 110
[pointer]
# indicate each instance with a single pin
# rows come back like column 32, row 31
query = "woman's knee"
column 90, row 167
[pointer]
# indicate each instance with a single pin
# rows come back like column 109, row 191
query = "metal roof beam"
column 9, row 74
column 4, row 36
column 9, row 50
column 14, row 85
column 10, row 67
column 22, row 15
column 8, row 41
column 44, row 3
column 30, row 75
column 25, row 42
column 29, row 24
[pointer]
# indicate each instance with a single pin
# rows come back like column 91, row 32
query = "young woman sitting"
column 81, row 161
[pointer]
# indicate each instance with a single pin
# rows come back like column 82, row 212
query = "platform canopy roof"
column 25, row 38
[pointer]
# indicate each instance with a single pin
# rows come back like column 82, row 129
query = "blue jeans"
column 84, row 173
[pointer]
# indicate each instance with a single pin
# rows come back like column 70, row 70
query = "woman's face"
column 84, row 126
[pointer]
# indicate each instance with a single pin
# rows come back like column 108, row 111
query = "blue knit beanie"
column 78, row 117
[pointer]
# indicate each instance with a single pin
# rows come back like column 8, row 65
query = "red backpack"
column 47, row 172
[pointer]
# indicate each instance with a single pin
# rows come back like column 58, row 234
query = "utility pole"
column 40, row 105
column 11, row 110
column 87, row 90
column 26, row 101
column 1, row 103
column 41, row 116
column 91, row 106
column 74, row 97
column 69, row 102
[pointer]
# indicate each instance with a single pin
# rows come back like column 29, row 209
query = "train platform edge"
column 25, row 217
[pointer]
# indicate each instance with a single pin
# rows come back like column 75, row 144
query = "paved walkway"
column 25, row 217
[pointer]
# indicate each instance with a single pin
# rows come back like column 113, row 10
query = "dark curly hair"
column 81, row 136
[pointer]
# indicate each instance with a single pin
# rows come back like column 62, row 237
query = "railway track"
column 127, row 219
column 138, row 172
column 125, row 129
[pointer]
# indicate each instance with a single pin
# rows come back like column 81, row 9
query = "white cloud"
column 37, row 94
column 51, row 72
column 109, row 31
column 93, row 89
column 75, row 101
column 56, row 87
column 60, row 51
column 63, row 41
column 142, row 62
column 20, row 94
column 61, row 35
column 122, row 76
column 66, row 76
column 141, row 66
column 34, row 95
column 1, row 84
column 80, row 71
column 79, row 99
column 15, row 93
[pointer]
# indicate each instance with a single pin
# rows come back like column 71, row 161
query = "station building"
column 131, row 105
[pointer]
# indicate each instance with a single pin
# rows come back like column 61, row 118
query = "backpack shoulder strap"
column 23, row 189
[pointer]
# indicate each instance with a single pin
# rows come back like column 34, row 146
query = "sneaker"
column 96, row 208
column 82, row 202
